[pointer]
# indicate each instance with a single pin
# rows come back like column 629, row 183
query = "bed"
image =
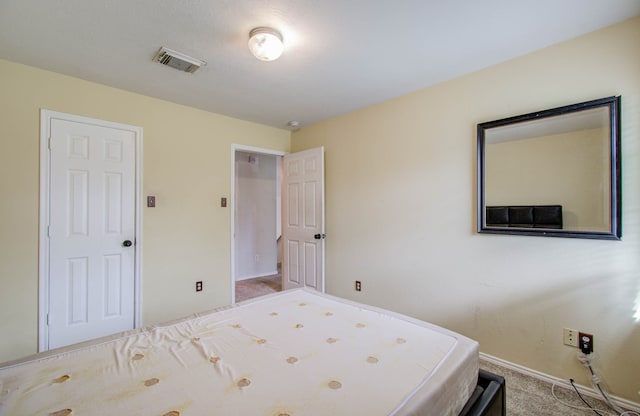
column 297, row 352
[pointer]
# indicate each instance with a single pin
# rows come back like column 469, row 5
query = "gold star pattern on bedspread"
column 297, row 353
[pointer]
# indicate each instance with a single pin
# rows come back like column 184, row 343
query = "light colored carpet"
column 528, row 396
column 251, row 288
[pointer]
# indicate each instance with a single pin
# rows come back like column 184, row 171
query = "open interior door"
column 303, row 219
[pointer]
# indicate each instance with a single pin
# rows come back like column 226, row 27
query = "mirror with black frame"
column 552, row 173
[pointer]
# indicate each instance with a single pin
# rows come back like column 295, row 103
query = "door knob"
column 319, row 236
column 127, row 243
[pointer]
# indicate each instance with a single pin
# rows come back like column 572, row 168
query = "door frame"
column 242, row 148
column 45, row 187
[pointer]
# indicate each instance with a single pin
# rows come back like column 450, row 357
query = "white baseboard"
column 587, row 391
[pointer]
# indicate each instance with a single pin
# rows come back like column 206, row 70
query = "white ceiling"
column 340, row 55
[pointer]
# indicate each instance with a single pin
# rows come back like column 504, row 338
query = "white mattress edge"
column 432, row 389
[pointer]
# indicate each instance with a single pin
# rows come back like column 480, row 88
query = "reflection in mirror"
column 554, row 172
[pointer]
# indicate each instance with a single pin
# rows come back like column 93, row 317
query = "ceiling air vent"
column 178, row 60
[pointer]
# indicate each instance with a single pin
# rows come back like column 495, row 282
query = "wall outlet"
column 358, row 286
column 199, row 286
column 570, row 337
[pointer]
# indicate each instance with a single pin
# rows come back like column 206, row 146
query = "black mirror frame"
column 615, row 233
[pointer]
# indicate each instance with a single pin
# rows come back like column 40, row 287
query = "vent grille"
column 178, row 60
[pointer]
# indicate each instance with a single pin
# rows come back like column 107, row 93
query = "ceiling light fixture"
column 265, row 43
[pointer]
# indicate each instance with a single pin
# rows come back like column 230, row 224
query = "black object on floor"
column 488, row 398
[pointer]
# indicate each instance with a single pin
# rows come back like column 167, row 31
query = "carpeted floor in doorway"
column 251, row 288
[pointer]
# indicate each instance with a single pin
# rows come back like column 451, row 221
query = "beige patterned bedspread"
column 294, row 353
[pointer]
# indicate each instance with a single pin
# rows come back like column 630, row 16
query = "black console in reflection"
column 525, row 216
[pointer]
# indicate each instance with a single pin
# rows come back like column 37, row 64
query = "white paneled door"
column 92, row 231
column 303, row 219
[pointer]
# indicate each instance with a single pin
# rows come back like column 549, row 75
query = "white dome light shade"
column 265, row 43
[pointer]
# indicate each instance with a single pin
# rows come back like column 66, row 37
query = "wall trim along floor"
column 546, row 378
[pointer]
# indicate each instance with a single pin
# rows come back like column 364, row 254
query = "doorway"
column 256, row 253
column 299, row 211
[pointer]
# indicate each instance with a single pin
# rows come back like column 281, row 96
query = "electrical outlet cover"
column 570, row 337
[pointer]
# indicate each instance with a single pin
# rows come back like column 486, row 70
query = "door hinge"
column 48, row 231
column 49, row 143
column 47, row 319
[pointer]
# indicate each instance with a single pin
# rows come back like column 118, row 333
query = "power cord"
column 553, row 387
column 582, row 398
column 585, row 359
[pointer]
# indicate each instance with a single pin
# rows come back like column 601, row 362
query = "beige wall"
column 401, row 209
column 187, row 165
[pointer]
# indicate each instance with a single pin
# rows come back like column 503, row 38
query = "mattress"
column 297, row 352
